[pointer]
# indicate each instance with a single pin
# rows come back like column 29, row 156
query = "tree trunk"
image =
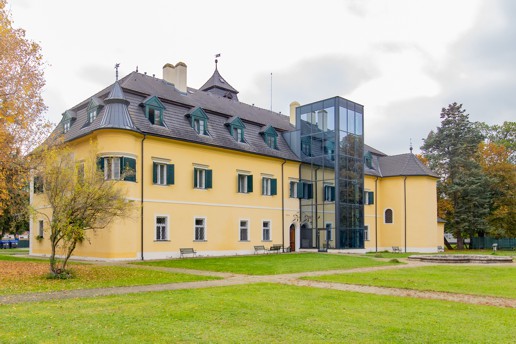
column 460, row 240
column 447, row 244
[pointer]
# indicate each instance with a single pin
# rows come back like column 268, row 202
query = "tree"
column 451, row 152
column 81, row 200
column 496, row 159
column 22, row 126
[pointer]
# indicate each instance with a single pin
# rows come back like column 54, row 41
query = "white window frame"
column 327, row 192
column 161, row 173
column 199, row 125
column 238, row 134
column 243, row 228
column 66, row 126
column 204, row 227
column 41, row 228
column 200, row 176
column 92, row 114
column 112, row 168
column 166, row 228
column 269, row 228
column 366, row 233
column 293, row 185
column 242, row 183
column 266, row 186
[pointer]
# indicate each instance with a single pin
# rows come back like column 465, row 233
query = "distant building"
column 221, row 176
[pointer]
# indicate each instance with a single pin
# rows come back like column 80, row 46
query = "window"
column 200, row 229
column 329, row 150
column 366, row 233
column 244, row 230
column 368, row 160
column 118, row 167
column 68, row 117
column 66, row 126
column 41, row 230
column 162, row 174
column 328, row 231
column 92, row 114
column 305, row 190
column 245, row 183
column 80, row 173
column 368, row 197
column 161, row 228
column 269, row 186
column 306, row 146
column 153, row 110
column 238, row 134
column 202, row 178
column 198, row 120
column 38, row 184
column 266, row 231
column 329, row 193
column 388, row 216
column 293, row 189
column 200, row 126
column 236, row 128
column 270, row 136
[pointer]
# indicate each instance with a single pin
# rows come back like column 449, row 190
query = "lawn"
column 255, row 313
column 408, row 254
column 18, row 277
column 476, row 280
column 271, row 264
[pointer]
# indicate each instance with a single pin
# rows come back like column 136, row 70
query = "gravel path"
column 229, row 279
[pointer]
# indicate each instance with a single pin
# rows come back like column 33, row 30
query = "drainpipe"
column 376, row 214
column 405, row 208
column 283, row 206
column 141, row 202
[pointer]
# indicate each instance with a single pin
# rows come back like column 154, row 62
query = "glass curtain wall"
column 332, row 174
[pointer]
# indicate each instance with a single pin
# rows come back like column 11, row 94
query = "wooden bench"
column 188, row 250
column 440, row 249
column 276, row 247
column 396, row 249
column 259, row 248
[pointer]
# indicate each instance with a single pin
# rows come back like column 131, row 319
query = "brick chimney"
column 176, row 75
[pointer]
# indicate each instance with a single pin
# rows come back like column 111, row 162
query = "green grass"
column 255, row 313
column 15, row 258
column 271, row 264
column 476, row 280
column 408, row 254
column 12, row 251
column 20, row 278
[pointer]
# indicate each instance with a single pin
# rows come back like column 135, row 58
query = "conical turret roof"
column 116, row 113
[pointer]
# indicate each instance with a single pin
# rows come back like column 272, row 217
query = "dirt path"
column 229, row 279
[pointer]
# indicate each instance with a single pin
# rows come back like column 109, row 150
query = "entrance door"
column 292, row 238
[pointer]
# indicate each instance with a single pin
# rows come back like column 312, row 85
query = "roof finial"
column 136, row 69
column 116, row 68
column 216, row 61
column 410, row 145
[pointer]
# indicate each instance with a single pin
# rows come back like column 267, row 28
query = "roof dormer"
column 153, row 109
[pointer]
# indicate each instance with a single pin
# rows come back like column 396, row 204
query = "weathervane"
column 411, row 145
column 116, row 68
column 216, row 61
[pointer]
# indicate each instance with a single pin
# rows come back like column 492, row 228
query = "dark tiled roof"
column 403, row 165
column 374, row 151
column 217, row 82
column 134, row 88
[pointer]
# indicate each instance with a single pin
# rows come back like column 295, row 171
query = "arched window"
column 388, row 216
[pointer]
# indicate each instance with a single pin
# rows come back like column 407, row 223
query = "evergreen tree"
column 451, row 152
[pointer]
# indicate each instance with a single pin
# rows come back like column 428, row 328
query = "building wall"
column 222, row 206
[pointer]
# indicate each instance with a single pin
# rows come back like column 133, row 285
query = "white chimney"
column 293, row 107
column 176, row 75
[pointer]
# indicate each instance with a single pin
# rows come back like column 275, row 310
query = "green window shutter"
column 205, row 127
column 154, row 173
column 300, row 189
column 250, row 183
column 195, row 178
column 371, row 197
column 128, row 165
column 332, row 195
column 170, row 174
column 208, row 182
column 100, row 164
column 274, row 187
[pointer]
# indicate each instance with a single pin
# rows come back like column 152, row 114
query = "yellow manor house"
column 222, row 177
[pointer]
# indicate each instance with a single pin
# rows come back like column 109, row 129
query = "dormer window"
column 236, row 128
column 270, row 136
column 198, row 120
column 153, row 108
column 68, row 117
column 368, row 159
column 306, row 146
column 93, row 109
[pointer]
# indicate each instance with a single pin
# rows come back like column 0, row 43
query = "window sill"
column 244, row 240
column 200, row 241
column 161, row 184
column 161, row 240
column 266, row 240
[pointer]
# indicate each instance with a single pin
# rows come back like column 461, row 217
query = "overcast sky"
column 402, row 59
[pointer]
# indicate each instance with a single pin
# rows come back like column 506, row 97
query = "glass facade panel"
column 334, row 173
